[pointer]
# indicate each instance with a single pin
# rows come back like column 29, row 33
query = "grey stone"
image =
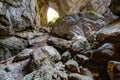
column 75, row 76
column 72, row 66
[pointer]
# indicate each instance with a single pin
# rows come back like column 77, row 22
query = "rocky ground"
column 78, row 46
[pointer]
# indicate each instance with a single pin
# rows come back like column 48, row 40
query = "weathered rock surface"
column 84, row 24
column 11, row 46
column 42, row 54
column 76, row 6
column 80, row 44
column 115, row 7
column 72, row 66
column 103, row 54
column 84, row 44
column 17, row 16
column 59, row 43
column 66, row 56
column 17, row 22
column 110, row 33
column 75, row 76
column 114, row 70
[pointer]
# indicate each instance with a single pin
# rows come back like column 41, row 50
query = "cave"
column 59, row 40
column 52, row 15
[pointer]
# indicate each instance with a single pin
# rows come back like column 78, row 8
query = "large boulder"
column 59, row 43
column 42, row 55
column 103, row 54
column 84, row 24
column 113, row 70
column 110, row 33
column 11, row 46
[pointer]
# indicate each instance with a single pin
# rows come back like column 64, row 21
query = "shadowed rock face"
column 115, row 7
column 18, row 18
column 84, row 24
column 110, row 33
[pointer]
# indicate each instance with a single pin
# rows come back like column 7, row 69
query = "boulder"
column 59, row 43
column 81, row 59
column 110, row 33
column 103, row 54
column 84, row 24
column 42, row 55
column 66, row 56
column 75, row 76
column 23, row 55
column 115, row 7
column 11, row 46
column 72, row 66
column 113, row 70
column 80, row 44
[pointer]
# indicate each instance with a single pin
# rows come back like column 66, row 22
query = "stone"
column 76, row 6
column 103, row 54
column 14, row 44
column 84, row 24
column 81, row 59
column 5, row 76
column 40, row 55
column 23, row 55
column 86, row 72
column 113, row 70
column 29, row 76
column 80, row 44
column 60, row 72
column 37, row 40
column 18, row 16
column 66, row 56
column 75, row 76
column 4, row 53
column 115, row 7
column 16, row 70
column 59, row 43
column 72, row 66
column 109, row 33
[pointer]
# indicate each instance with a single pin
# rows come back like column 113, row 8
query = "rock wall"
column 17, row 17
column 75, row 6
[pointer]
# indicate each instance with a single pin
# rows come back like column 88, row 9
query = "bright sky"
column 51, row 14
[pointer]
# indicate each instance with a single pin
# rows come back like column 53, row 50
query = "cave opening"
column 52, row 15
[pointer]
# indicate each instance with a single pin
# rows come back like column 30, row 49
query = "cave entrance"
column 52, row 15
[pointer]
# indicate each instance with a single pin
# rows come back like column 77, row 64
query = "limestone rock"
column 115, row 7
column 5, row 76
column 84, row 24
column 17, row 16
column 113, row 70
column 103, row 54
column 81, row 59
column 72, row 66
column 66, row 56
column 24, row 54
column 59, row 43
column 12, row 46
column 40, row 55
column 80, row 44
column 75, row 76
column 110, row 33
